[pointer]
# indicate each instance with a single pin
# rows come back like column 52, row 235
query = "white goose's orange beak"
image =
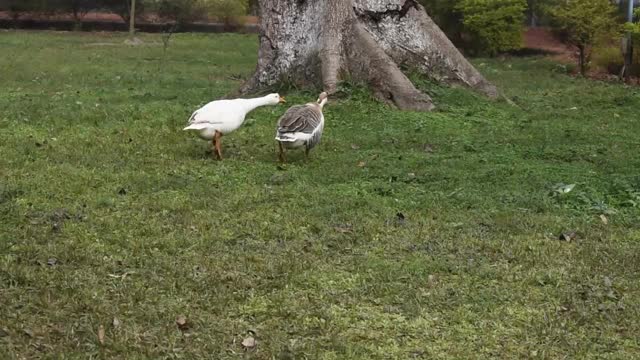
column 282, row 100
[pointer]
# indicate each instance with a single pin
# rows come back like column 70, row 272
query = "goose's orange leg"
column 282, row 155
column 217, row 141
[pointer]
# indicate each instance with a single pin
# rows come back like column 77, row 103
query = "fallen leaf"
column 123, row 276
column 182, row 323
column 249, row 342
column 101, row 334
column 344, row 228
column 568, row 236
column 52, row 261
column 355, row 147
column 607, row 282
column 431, row 279
column 28, row 332
column 563, row 188
column 428, row 148
column 362, row 164
column 115, row 323
column 122, row 191
column 604, row 219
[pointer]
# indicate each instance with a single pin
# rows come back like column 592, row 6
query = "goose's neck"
column 251, row 104
column 322, row 104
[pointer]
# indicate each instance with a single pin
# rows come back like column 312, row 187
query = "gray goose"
column 300, row 126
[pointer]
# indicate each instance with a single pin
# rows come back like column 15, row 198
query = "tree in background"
column 16, row 8
column 79, row 9
column 254, row 8
column 581, row 23
column 537, row 11
column 495, row 25
column 122, row 8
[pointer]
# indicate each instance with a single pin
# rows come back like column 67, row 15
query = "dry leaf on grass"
column 249, row 343
column 343, row 228
column 101, row 334
column 568, row 236
column 182, row 322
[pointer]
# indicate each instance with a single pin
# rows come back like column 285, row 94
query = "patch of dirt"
column 540, row 38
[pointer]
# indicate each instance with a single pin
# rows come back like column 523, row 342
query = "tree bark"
column 323, row 42
column 132, row 19
column 582, row 63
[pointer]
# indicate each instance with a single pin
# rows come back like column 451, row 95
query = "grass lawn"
column 406, row 235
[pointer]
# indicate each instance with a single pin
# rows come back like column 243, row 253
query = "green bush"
column 182, row 11
column 484, row 27
column 495, row 25
column 610, row 58
column 228, row 11
column 582, row 23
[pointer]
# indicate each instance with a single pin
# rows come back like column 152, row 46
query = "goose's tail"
column 199, row 126
column 285, row 137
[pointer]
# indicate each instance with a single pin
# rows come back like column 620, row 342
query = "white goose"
column 301, row 125
column 221, row 117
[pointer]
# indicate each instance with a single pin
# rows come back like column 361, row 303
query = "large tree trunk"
column 322, row 42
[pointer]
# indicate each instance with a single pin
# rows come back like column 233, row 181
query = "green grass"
column 109, row 210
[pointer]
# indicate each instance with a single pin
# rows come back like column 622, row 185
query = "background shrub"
column 494, row 25
column 582, row 23
column 182, row 11
column 480, row 27
column 230, row 12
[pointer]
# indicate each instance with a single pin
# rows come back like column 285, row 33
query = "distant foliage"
column 228, row 11
column 582, row 23
column 495, row 25
column 634, row 27
column 16, row 8
column 254, row 8
column 445, row 14
column 483, row 27
column 122, row 8
column 182, row 11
